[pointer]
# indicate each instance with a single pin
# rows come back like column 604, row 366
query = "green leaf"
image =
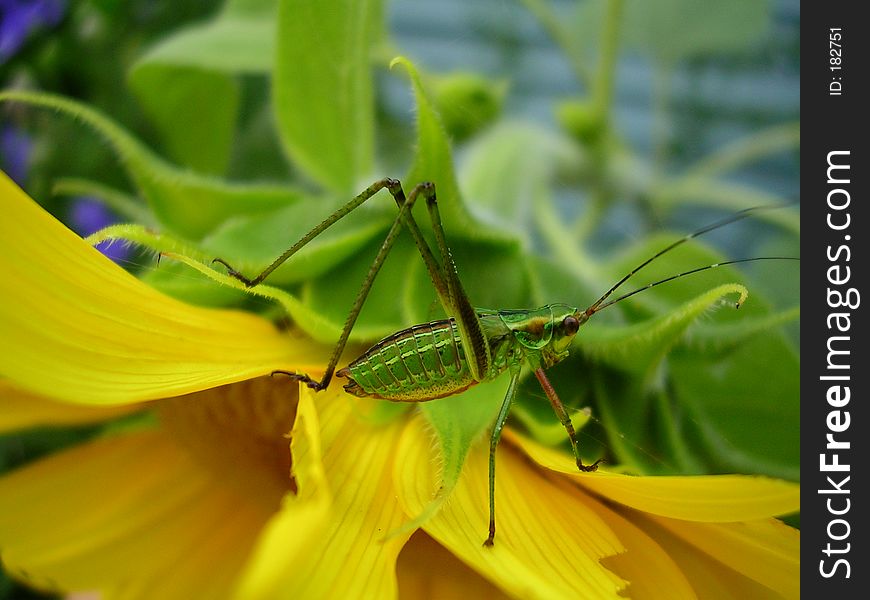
column 640, row 346
column 549, row 432
column 179, row 281
column 645, row 431
column 727, row 195
column 659, row 317
column 187, row 83
column 664, row 298
column 249, row 7
column 147, row 238
column 333, row 294
column 491, row 275
column 433, row 162
column 194, row 110
column 678, row 29
column 673, row 30
column 233, row 43
column 174, row 279
column 458, row 422
column 317, row 327
column 708, row 337
column 185, row 203
column 552, row 281
column 322, row 88
column 749, row 418
column 251, row 243
column 508, row 172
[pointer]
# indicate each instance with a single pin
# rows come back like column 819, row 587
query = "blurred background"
column 684, row 85
column 671, row 114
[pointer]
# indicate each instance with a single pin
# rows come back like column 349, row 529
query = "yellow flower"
column 211, row 498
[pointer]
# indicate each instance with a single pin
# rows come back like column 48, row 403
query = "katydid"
column 472, row 345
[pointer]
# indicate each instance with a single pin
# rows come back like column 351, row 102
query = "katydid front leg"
column 565, row 419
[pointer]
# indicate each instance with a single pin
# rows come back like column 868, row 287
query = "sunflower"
column 224, row 482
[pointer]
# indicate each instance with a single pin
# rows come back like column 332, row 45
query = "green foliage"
column 673, row 30
column 323, row 89
column 670, row 374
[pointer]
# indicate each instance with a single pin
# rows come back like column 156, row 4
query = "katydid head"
column 547, row 330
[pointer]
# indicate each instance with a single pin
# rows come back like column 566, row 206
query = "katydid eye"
column 570, row 325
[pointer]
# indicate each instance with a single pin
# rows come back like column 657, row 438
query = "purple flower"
column 19, row 18
column 87, row 216
column 15, row 147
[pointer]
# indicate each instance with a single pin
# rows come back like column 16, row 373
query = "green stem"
column 602, row 88
column 745, row 150
column 679, row 450
column 602, row 102
column 661, row 118
column 563, row 38
column 563, row 245
column 589, row 221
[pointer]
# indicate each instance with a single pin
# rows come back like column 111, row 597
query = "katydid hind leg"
column 366, row 287
column 565, row 419
column 474, row 342
column 436, row 272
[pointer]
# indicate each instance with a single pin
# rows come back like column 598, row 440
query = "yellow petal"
column 426, row 569
column 712, row 498
column 345, row 554
column 77, row 327
column 130, row 515
column 20, row 409
column 302, row 517
column 645, row 564
column 549, row 541
column 766, row 551
column 710, row 578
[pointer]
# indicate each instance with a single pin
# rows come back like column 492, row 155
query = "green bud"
column 467, row 102
column 582, row 120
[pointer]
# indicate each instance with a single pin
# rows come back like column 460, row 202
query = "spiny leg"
column 493, row 444
column 445, row 278
column 446, row 281
column 392, row 235
column 436, row 273
column 560, row 411
column 474, row 341
column 395, row 188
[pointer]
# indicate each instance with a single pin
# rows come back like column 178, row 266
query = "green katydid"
column 445, row 357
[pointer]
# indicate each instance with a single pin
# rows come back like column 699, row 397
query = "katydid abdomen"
column 420, row 363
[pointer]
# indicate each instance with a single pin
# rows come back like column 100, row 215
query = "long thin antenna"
column 727, row 221
column 591, row 311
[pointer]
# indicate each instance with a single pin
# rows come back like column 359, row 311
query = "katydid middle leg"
column 493, row 444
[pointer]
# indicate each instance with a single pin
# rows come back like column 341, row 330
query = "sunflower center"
column 238, row 432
